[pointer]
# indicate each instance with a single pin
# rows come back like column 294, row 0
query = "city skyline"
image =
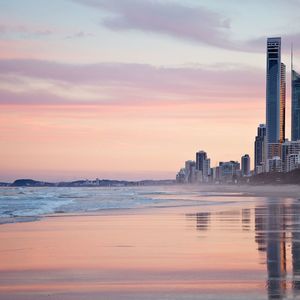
column 273, row 152
column 94, row 91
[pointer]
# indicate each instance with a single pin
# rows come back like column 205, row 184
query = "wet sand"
column 285, row 191
column 246, row 249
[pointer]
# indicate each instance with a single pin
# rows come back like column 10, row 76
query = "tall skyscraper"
column 190, row 171
column 282, row 103
column 245, row 162
column 275, row 92
column 260, row 148
column 201, row 156
column 206, row 169
column 295, row 103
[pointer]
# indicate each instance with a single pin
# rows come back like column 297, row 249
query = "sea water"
column 33, row 202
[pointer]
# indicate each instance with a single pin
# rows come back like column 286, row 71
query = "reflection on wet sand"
column 202, row 220
column 277, row 234
column 246, row 219
column 276, row 251
column 295, row 228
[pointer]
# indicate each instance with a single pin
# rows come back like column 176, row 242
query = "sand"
column 206, row 252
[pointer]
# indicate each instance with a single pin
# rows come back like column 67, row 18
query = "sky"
column 130, row 89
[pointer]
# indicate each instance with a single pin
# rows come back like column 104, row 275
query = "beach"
column 237, row 243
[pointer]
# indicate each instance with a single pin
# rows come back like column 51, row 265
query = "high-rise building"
column 229, row 171
column 282, row 103
column 180, row 177
column 275, row 92
column 295, row 80
column 292, row 162
column 289, row 153
column 206, row 170
column 190, row 171
column 274, row 149
column 245, row 162
column 201, row 156
column 260, row 148
column 274, row 164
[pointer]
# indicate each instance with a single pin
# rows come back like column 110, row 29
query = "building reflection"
column 246, row 219
column 270, row 236
column 277, row 234
column 276, row 251
column 275, row 224
column 202, row 220
column 261, row 228
column 295, row 235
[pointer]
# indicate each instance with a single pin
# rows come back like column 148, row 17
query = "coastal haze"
column 102, row 102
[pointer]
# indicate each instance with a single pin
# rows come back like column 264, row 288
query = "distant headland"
column 276, row 178
column 86, row 183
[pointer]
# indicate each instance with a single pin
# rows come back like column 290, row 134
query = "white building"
column 292, row 162
column 275, row 164
column 289, row 148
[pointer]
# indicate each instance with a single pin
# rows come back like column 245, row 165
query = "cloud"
column 24, row 31
column 180, row 21
column 189, row 23
column 122, row 84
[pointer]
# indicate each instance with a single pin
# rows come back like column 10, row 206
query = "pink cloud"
column 121, row 84
column 24, row 31
column 181, row 21
column 177, row 20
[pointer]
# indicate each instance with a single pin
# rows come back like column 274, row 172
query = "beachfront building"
column 202, row 167
column 206, row 170
column 245, row 163
column 295, row 105
column 190, row 171
column 282, row 103
column 216, row 174
column 274, row 149
column 180, row 177
column 201, row 156
column 198, row 171
column 275, row 92
column 260, row 169
column 229, row 171
column 260, row 149
column 292, row 162
column 274, row 164
column 289, row 152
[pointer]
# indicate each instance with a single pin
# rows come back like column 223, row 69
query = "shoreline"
column 143, row 253
column 234, row 191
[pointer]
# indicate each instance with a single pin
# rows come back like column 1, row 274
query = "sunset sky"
column 130, row 89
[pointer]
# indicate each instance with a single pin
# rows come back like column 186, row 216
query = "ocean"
column 25, row 203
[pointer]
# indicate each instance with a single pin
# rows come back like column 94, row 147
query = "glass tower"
column 295, row 106
column 259, row 148
column 282, row 103
column 245, row 162
column 201, row 156
column 274, row 90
